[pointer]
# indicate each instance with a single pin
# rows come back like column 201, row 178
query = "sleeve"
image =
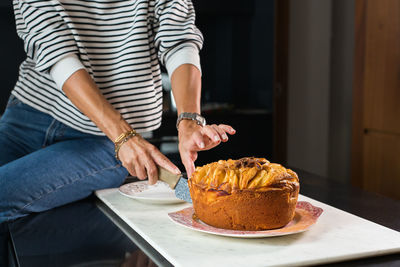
column 176, row 36
column 47, row 38
column 64, row 68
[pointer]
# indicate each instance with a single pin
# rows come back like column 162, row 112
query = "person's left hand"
column 194, row 138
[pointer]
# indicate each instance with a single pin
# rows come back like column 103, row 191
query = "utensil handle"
column 166, row 176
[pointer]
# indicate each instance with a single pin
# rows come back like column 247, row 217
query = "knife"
column 177, row 182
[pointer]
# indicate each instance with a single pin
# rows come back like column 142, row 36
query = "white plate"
column 160, row 193
column 306, row 215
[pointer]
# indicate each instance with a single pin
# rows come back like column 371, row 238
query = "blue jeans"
column 45, row 164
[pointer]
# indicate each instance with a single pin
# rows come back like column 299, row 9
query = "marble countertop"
column 337, row 236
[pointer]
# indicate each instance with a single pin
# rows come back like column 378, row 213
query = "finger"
column 140, row 171
column 227, row 128
column 161, row 160
column 152, row 172
column 198, row 141
column 130, row 169
column 210, row 143
column 189, row 165
column 211, row 133
column 187, row 160
column 221, row 132
column 193, row 155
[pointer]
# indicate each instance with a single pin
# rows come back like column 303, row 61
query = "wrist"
column 116, row 127
column 190, row 116
column 185, row 125
column 122, row 139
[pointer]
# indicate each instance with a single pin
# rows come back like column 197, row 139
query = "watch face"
column 200, row 119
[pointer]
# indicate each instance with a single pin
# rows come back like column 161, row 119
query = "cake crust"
column 245, row 194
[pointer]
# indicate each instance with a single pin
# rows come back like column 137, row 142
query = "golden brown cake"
column 244, row 194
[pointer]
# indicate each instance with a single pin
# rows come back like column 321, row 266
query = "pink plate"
column 306, row 215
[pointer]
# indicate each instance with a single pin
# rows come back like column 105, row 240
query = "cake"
column 245, row 194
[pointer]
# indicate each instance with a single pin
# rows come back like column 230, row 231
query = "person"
column 88, row 90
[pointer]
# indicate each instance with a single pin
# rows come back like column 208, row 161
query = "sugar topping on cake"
column 245, row 173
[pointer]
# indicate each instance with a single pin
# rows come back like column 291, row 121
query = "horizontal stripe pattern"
column 120, row 43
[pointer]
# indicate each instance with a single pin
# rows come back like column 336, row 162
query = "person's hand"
column 194, row 138
column 141, row 158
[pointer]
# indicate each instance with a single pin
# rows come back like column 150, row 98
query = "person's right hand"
column 141, row 158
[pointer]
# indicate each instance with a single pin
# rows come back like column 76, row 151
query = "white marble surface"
column 336, row 236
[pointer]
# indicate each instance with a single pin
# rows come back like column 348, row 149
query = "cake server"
column 177, row 182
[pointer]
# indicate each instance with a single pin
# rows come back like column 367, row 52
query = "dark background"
column 237, row 58
column 237, row 73
column 12, row 52
column 237, row 76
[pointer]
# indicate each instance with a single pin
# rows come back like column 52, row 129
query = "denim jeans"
column 45, row 164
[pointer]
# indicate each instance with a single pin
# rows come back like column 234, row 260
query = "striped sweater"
column 120, row 43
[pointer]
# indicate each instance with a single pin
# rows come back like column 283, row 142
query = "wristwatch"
column 191, row 116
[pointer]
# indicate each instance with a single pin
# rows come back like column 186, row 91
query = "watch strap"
column 191, row 116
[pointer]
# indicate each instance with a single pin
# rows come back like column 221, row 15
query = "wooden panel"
column 382, row 163
column 376, row 97
column 382, row 66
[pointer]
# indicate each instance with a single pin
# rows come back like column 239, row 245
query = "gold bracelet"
column 120, row 140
